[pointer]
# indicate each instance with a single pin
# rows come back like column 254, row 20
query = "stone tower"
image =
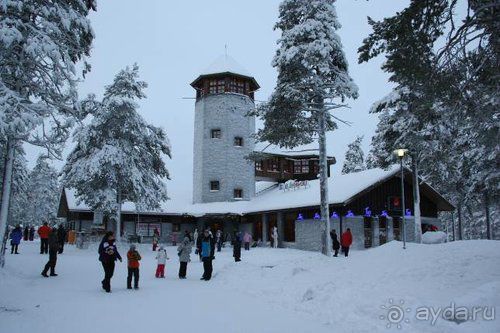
column 223, row 133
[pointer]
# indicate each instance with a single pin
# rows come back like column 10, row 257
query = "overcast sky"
column 173, row 41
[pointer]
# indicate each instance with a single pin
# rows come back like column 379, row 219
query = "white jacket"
column 162, row 257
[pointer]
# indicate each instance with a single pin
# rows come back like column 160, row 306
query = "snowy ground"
column 271, row 290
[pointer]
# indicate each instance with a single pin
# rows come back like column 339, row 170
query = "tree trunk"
column 118, row 235
column 416, row 203
column 459, row 208
column 323, row 181
column 487, row 212
column 6, row 191
column 453, row 225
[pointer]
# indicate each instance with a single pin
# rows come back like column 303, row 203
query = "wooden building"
column 365, row 201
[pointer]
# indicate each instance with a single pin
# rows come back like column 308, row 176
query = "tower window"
column 258, row 165
column 216, row 134
column 238, row 193
column 238, row 141
column 214, row 185
column 216, row 86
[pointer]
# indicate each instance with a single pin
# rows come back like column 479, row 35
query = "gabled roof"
column 342, row 189
column 225, row 64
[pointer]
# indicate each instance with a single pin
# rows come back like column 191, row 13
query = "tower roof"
column 226, row 64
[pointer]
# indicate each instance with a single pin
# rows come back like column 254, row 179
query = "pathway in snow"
column 271, row 290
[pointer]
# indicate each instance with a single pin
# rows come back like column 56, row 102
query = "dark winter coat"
column 16, row 235
column 237, row 246
column 61, row 234
column 108, row 252
column 32, row 233
column 26, row 233
column 208, row 241
column 335, row 240
column 54, row 241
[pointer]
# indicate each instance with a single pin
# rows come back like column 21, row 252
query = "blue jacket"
column 16, row 235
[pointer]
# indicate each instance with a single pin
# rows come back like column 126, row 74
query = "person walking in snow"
column 53, row 241
column 247, row 238
column 335, row 242
column 61, row 234
column 32, row 233
column 274, row 236
column 206, row 246
column 218, row 240
column 44, row 232
column 15, row 238
column 346, row 241
column 184, row 251
column 237, row 247
column 133, row 258
column 26, row 233
column 195, row 236
column 161, row 258
column 156, row 238
column 108, row 254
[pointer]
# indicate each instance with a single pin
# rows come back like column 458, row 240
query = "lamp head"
column 400, row 152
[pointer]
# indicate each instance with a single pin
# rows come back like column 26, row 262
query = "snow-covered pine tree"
column 40, row 42
column 354, row 157
column 312, row 79
column 445, row 96
column 119, row 157
column 45, row 191
column 20, row 203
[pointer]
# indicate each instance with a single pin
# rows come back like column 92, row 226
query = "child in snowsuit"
column 133, row 267
column 162, row 258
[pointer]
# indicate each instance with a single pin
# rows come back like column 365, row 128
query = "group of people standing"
column 345, row 242
column 108, row 255
column 51, row 241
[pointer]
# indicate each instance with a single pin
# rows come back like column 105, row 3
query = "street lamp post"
column 400, row 153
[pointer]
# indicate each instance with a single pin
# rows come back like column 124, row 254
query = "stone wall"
column 308, row 235
column 218, row 159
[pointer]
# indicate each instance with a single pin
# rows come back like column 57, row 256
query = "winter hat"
column 132, row 247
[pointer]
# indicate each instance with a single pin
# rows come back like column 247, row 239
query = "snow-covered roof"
column 341, row 189
column 225, row 64
column 303, row 150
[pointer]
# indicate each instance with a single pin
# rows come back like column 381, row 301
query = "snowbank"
column 434, row 237
column 271, row 290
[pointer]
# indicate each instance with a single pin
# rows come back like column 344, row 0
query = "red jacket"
column 133, row 259
column 346, row 239
column 44, row 231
